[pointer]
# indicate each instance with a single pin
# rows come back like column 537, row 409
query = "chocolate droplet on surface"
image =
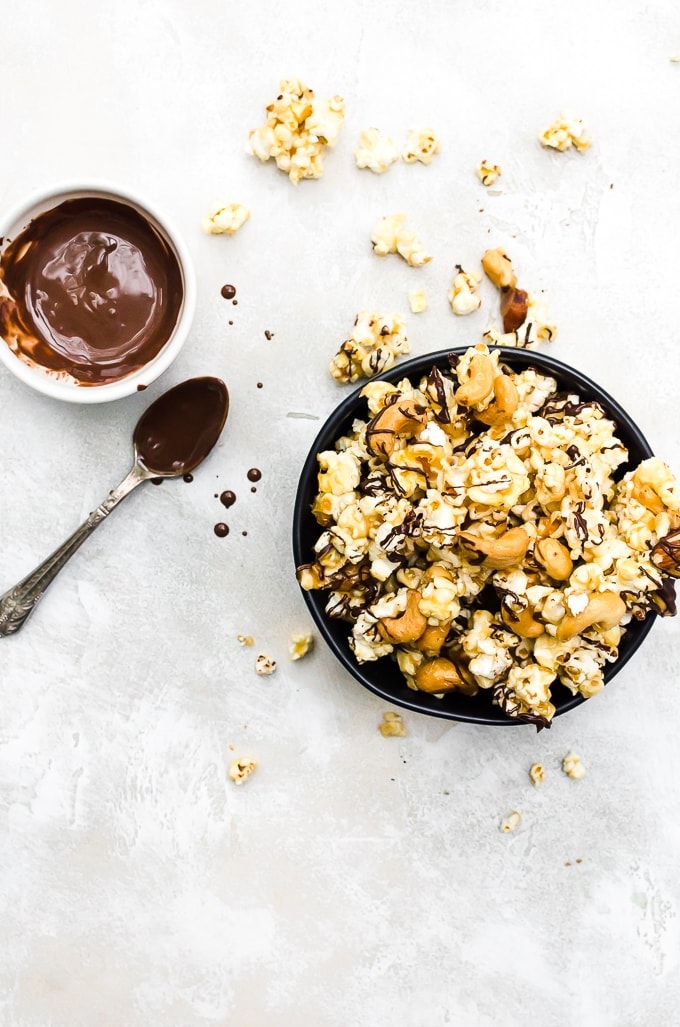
column 254, row 474
column 228, row 498
column 228, row 291
column 188, row 477
column 221, row 529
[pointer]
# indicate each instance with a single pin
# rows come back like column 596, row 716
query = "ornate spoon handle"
column 17, row 604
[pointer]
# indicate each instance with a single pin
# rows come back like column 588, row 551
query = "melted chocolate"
column 228, row 498
column 95, row 291
column 188, row 477
column 221, row 529
column 178, row 431
column 228, row 291
column 268, row 335
column 254, row 474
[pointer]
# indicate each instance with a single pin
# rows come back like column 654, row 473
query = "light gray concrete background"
column 354, row 880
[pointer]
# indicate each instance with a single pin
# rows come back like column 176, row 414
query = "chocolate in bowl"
column 383, row 676
column 96, row 294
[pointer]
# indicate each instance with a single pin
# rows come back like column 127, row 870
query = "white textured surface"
column 354, row 880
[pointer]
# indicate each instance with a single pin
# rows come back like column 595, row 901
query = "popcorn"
column 245, row 640
column 536, row 773
column 225, row 218
column 264, row 665
column 390, row 236
column 462, row 295
column 300, row 644
column 373, row 346
column 392, row 725
column 421, row 145
column 511, row 822
column 488, row 173
column 572, row 766
column 478, row 481
column 375, row 151
column 297, row 130
column 241, row 769
column 566, row 131
column 417, row 301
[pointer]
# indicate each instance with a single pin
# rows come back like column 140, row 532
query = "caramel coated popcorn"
column 376, row 152
column 390, row 236
column 225, row 218
column 476, row 529
column 566, row 131
column 373, row 346
column 298, row 129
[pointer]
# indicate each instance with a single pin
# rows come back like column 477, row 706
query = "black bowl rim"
column 327, row 435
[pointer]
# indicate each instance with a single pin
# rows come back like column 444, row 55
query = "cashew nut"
column 433, row 638
column 505, row 402
column 499, row 269
column 514, row 307
column 408, row 626
column 523, row 624
column 499, row 553
column 404, row 417
column 554, row 557
column 479, row 382
column 604, row 611
column 442, row 675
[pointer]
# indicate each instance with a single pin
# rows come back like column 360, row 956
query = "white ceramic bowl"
column 15, row 221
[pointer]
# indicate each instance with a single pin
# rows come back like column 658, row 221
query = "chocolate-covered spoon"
column 171, row 438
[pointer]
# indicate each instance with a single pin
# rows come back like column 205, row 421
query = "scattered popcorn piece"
column 264, row 664
column 392, row 726
column 390, row 236
column 462, row 294
column 511, row 822
column 375, row 151
column 572, row 766
column 300, row 644
column 225, row 218
column 537, row 773
column 375, row 342
column 421, row 144
column 417, row 301
column 675, row 59
column 245, row 640
column 566, row 131
column 488, row 173
column 298, row 129
column 241, row 769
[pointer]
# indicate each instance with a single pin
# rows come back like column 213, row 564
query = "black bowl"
column 383, row 676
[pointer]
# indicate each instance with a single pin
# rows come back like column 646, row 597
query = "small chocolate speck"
column 228, row 498
column 259, row 385
column 140, row 387
column 254, row 474
column 244, row 533
column 253, row 489
column 268, row 335
column 188, row 477
column 221, row 529
column 235, row 302
column 156, row 481
column 228, row 291
column 231, row 322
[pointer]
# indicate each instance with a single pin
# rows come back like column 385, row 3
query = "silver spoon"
column 172, row 437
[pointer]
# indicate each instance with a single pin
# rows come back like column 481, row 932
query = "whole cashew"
column 499, row 553
column 404, row 417
column 523, row 624
column 479, row 383
column 604, row 611
column 442, row 675
column 433, row 638
column 499, row 269
column 504, row 403
column 408, row 626
column 554, row 557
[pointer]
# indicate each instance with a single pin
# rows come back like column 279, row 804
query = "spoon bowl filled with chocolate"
column 97, row 293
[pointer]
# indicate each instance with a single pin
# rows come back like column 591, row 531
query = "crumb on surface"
column 417, row 301
column 241, row 769
column 512, row 821
column 245, row 640
column 392, row 725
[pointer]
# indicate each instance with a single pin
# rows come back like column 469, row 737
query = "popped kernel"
column 298, row 129
column 536, row 773
column 376, row 152
column 417, row 301
column 566, row 131
column 390, row 236
column 300, row 644
column 392, row 725
column 374, row 344
column 225, row 218
column 573, row 767
column 488, row 173
column 463, row 293
column 421, row 145
column 241, row 769
column 264, row 665
column 511, row 822
column 245, row 640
